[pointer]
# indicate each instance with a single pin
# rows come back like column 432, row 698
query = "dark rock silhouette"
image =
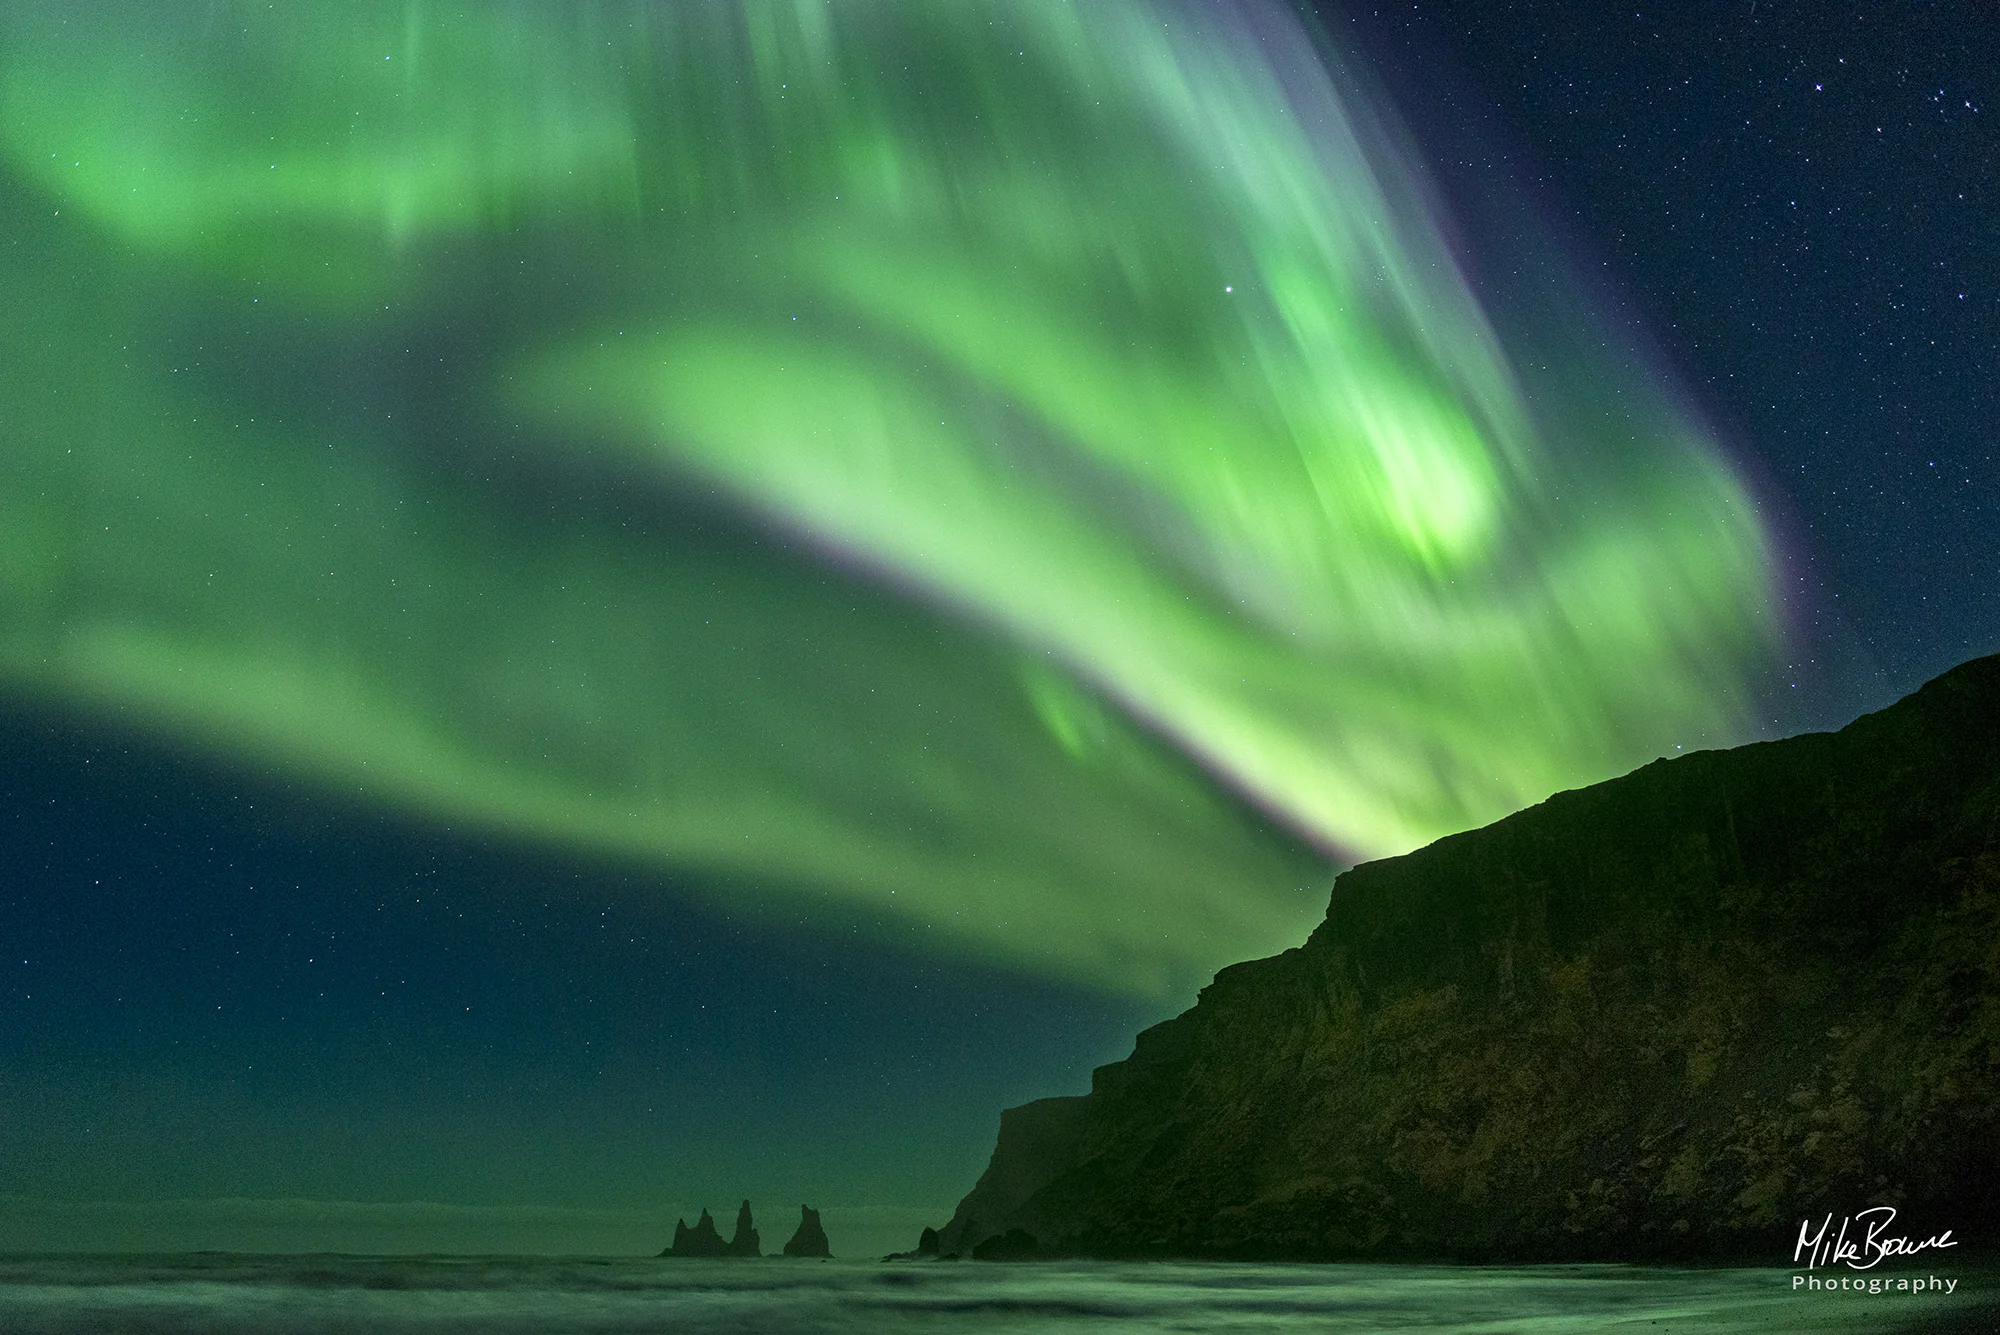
column 1668, row 1016
column 927, row 1249
column 1016, row 1244
column 701, row 1240
column 745, row 1243
column 810, row 1239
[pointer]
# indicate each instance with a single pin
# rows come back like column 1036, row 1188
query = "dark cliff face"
column 1671, row 1015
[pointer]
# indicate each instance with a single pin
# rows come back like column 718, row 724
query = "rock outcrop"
column 746, row 1242
column 1668, row 1016
column 810, row 1239
column 701, row 1240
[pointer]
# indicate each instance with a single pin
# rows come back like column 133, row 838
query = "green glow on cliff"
column 1110, row 331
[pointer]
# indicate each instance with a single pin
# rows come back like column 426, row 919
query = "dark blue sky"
column 214, row 984
column 218, row 987
column 1798, row 205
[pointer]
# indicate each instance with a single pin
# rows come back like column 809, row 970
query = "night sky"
column 245, row 1004
column 1799, row 208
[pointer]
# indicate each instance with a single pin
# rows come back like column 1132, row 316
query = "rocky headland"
column 1669, row 1016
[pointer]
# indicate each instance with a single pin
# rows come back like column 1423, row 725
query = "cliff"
column 1668, row 1016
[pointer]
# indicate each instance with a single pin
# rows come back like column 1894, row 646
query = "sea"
column 233, row 1294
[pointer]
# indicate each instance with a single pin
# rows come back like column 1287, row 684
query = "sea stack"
column 810, row 1240
column 745, row 1241
column 701, row 1240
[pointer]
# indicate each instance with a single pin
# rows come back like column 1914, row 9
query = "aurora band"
column 394, row 395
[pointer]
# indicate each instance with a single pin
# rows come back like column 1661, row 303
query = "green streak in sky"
column 1111, row 406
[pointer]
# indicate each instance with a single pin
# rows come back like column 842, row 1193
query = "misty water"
column 222, row 1294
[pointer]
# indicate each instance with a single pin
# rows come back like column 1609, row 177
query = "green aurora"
column 1031, row 466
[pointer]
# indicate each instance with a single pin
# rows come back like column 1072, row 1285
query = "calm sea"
column 503, row 1295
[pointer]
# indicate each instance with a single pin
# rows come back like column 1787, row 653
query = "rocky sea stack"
column 703, row 1241
column 1669, row 1016
column 810, row 1239
column 745, row 1243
